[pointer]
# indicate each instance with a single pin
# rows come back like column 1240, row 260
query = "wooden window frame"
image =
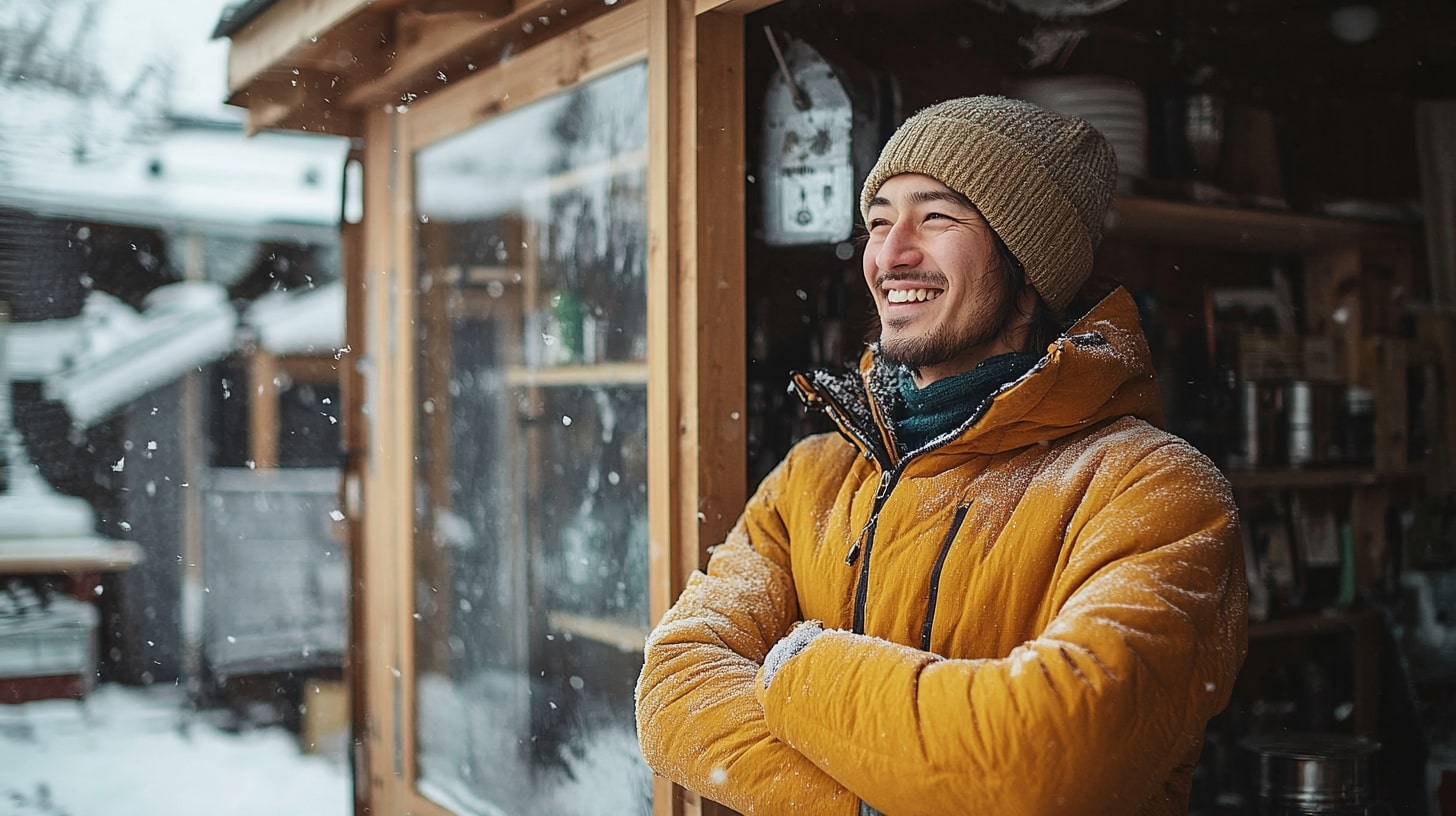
column 696, row 325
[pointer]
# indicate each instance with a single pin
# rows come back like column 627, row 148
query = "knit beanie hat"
column 1042, row 180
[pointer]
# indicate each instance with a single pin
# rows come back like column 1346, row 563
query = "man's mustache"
column 929, row 279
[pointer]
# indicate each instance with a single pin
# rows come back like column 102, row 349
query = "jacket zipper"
column 818, row 400
column 867, row 537
column 950, row 536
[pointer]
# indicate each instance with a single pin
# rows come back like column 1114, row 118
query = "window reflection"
column 530, row 552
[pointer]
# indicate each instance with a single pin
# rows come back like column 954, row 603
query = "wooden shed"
column 597, row 234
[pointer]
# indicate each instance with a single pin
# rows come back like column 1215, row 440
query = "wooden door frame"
column 696, row 304
column 696, row 399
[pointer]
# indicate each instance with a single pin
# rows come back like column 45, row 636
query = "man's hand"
column 791, row 644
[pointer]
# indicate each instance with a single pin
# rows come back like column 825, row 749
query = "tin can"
column 1300, row 424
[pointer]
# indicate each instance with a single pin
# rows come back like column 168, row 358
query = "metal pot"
column 1313, row 773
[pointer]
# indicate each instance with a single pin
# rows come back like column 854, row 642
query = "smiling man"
column 921, row 233
column 1001, row 588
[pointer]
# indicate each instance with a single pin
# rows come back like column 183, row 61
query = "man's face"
column 932, row 266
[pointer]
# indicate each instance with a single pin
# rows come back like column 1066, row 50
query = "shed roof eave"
column 236, row 15
column 267, row 35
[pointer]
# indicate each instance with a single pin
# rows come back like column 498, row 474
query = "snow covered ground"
column 127, row 751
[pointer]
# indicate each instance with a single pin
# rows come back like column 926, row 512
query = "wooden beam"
column 599, row 46
column 309, row 368
column 351, row 53
column 733, row 7
column 479, row 8
column 422, row 37
column 384, row 54
column 366, row 54
column 430, row 66
column 304, row 99
column 1225, row 228
column 281, row 32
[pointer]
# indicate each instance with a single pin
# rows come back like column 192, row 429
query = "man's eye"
column 878, row 223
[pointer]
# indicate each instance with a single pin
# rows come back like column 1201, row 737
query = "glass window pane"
column 530, row 551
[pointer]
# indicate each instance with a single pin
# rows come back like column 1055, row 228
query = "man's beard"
column 942, row 345
column 938, row 347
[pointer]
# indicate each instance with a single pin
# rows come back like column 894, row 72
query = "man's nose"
column 900, row 248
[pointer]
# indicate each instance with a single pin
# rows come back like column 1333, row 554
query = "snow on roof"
column 40, row 529
column 29, row 508
column 124, row 355
column 236, row 16
column 38, row 349
column 311, row 322
column 113, row 354
column 91, row 158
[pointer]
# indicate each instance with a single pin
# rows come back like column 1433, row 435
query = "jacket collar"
column 1099, row 369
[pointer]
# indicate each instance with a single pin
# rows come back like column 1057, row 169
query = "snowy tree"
column 51, row 43
column 52, row 78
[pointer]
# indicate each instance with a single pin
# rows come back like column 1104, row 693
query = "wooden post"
column 722, row 288
column 670, row 276
column 695, row 304
column 433, row 562
column 355, row 442
column 1333, row 308
column 1368, row 507
column 263, row 393
column 1384, row 361
column 382, row 557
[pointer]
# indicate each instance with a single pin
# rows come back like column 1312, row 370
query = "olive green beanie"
column 1042, row 180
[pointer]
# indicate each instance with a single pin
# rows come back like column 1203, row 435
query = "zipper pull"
column 853, row 554
column 880, row 492
column 885, row 478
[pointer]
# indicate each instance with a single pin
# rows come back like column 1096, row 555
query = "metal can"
column 1300, row 424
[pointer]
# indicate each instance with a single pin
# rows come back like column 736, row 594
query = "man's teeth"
column 911, row 295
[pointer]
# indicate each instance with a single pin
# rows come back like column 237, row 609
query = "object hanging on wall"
column 821, row 127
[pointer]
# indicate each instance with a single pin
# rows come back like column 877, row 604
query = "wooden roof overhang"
column 313, row 65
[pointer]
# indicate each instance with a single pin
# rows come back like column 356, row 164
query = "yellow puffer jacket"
column 1036, row 616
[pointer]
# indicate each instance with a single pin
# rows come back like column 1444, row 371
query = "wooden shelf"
column 477, row 275
column 573, row 375
column 629, row 637
column 1333, row 621
column 580, row 176
column 1201, row 226
column 1312, row 478
column 1362, row 626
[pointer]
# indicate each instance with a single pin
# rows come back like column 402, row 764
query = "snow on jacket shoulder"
column 1035, row 615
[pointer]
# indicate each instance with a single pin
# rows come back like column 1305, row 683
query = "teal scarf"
column 944, row 405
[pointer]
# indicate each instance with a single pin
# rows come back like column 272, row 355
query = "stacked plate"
column 1115, row 107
